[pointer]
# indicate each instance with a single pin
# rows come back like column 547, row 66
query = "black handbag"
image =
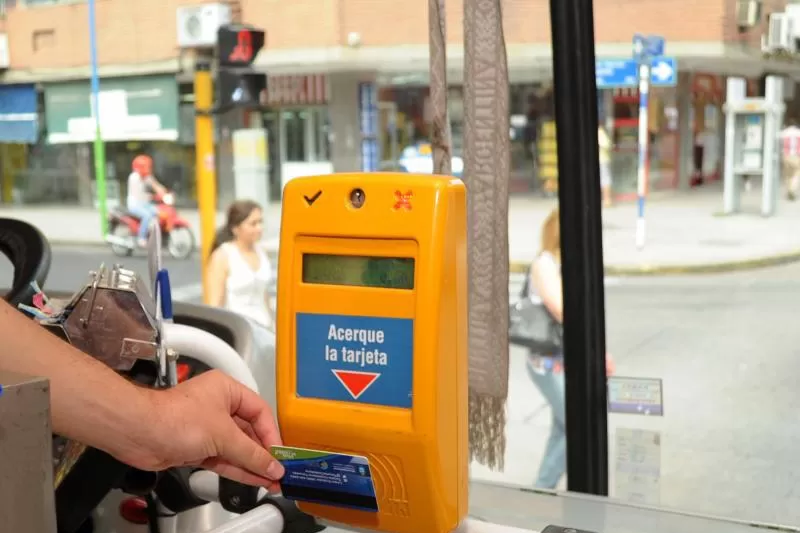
column 532, row 326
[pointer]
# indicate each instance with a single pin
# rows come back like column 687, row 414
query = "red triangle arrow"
column 355, row 382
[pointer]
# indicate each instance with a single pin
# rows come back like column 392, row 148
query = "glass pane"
column 702, row 398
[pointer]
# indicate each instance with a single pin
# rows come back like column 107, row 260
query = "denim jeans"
column 145, row 213
column 554, row 462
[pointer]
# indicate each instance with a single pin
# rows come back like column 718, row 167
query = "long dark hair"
column 238, row 212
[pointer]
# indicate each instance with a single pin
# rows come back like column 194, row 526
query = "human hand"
column 611, row 366
column 211, row 421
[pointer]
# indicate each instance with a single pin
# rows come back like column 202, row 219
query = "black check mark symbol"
column 313, row 199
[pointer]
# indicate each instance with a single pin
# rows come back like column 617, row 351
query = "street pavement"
column 71, row 265
column 725, row 345
column 726, row 348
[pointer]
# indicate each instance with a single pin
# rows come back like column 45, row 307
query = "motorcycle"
column 123, row 227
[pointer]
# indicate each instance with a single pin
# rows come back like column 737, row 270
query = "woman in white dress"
column 239, row 271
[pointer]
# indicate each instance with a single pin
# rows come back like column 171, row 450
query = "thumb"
column 239, row 449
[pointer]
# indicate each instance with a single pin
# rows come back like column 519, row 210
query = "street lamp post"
column 99, row 147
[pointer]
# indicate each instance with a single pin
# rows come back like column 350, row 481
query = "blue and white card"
column 327, row 478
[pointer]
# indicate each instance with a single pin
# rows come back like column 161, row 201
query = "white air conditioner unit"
column 5, row 58
column 198, row 25
column 793, row 10
column 779, row 34
column 748, row 13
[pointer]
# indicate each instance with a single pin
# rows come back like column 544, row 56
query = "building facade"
column 319, row 54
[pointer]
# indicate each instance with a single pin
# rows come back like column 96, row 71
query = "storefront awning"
column 18, row 114
column 143, row 108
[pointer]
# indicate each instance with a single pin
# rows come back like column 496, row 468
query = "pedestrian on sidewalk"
column 239, row 271
column 790, row 138
column 604, row 153
column 547, row 370
column 141, row 186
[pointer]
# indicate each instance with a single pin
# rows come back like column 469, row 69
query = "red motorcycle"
column 177, row 236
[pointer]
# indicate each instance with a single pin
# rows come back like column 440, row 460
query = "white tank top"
column 246, row 289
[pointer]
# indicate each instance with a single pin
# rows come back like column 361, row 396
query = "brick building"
column 317, row 54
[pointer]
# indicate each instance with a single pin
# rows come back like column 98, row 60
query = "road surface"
column 726, row 347
column 71, row 265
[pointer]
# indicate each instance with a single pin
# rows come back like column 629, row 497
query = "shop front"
column 19, row 128
column 406, row 115
column 707, row 123
column 298, row 125
column 137, row 115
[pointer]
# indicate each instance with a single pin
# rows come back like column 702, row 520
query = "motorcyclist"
column 141, row 186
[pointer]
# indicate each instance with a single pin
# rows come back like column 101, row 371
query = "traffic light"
column 237, row 84
column 240, row 89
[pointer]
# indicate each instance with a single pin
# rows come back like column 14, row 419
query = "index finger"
column 251, row 408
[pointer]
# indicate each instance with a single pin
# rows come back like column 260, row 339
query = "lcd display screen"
column 358, row 271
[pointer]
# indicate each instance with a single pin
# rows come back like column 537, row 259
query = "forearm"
column 160, row 189
column 216, row 294
column 89, row 401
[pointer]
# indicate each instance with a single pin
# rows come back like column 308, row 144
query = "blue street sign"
column 355, row 358
column 639, row 46
column 664, row 72
column 648, row 46
column 618, row 73
column 655, row 46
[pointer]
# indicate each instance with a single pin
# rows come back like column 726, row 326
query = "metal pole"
column 99, row 146
column 204, row 165
column 643, row 174
column 440, row 135
column 575, row 88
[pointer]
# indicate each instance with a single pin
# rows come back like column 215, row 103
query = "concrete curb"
column 521, row 267
column 735, row 265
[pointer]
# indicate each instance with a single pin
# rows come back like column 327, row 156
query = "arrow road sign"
column 662, row 71
column 618, row 73
column 647, row 46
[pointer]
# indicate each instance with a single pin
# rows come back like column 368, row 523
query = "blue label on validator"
column 355, row 358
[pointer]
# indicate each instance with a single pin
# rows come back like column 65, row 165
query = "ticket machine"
column 371, row 353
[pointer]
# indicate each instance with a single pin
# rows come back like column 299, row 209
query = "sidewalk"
column 686, row 232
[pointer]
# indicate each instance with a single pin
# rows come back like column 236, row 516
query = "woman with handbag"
column 545, row 362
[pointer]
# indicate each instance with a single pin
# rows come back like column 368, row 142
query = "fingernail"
column 275, row 470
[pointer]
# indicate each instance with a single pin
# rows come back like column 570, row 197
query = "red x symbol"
column 403, row 201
